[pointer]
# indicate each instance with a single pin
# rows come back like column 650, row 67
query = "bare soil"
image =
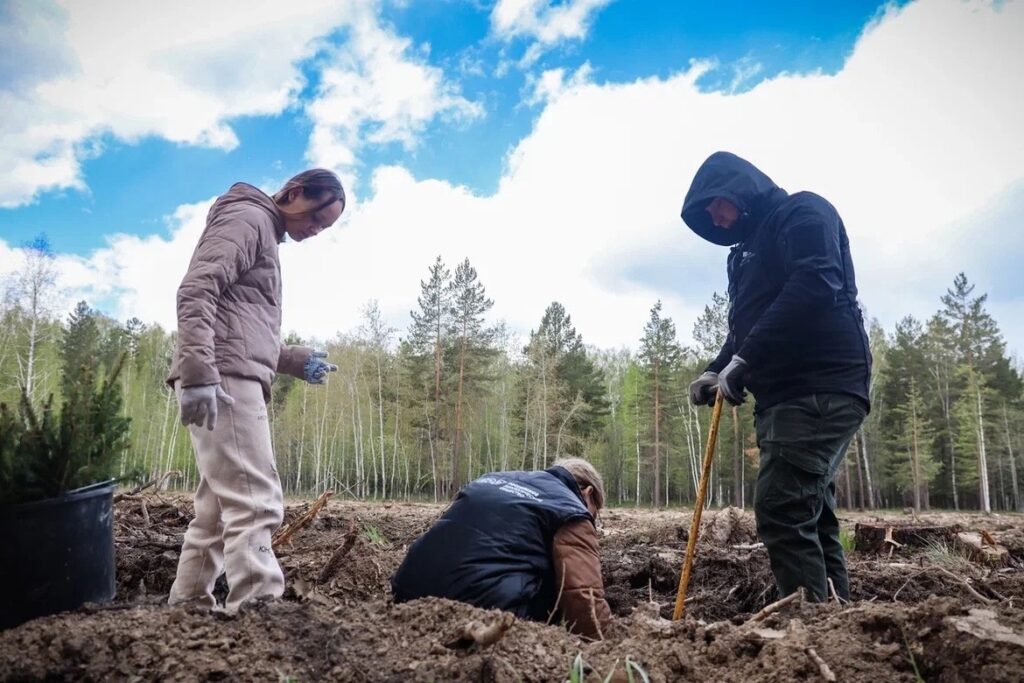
column 920, row 614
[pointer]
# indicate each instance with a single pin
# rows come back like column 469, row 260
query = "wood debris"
column 477, row 635
column 285, row 533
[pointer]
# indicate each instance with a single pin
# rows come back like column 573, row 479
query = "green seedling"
column 373, row 535
column 847, row 540
column 576, row 670
column 632, row 667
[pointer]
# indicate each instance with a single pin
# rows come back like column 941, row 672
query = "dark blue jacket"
column 793, row 311
column 492, row 547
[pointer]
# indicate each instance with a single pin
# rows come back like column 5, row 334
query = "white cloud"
column 132, row 69
column 182, row 71
column 917, row 141
column 552, row 83
column 544, row 22
column 373, row 90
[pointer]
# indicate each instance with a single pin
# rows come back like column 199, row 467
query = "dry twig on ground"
column 331, row 568
column 158, row 482
column 959, row 579
column 285, row 533
column 826, row 673
column 776, row 606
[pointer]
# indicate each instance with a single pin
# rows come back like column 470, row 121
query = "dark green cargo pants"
column 802, row 443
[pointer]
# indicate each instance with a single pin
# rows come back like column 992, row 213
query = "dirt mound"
column 726, row 527
column 418, row 641
column 337, row 622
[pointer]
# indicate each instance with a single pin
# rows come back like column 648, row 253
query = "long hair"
column 316, row 183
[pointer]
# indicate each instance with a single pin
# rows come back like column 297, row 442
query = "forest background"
column 417, row 412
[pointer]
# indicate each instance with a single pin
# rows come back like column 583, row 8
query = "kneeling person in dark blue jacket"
column 524, row 542
column 796, row 339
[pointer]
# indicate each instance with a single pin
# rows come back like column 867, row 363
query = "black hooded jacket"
column 492, row 546
column 793, row 312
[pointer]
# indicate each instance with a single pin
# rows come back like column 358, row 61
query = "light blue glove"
column 730, row 381
column 316, row 369
column 199, row 404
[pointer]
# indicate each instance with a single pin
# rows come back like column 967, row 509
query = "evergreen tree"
column 660, row 354
column 428, row 338
column 472, row 347
column 79, row 347
column 573, row 394
column 915, row 464
column 712, row 327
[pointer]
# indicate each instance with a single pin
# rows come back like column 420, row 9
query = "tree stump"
column 878, row 538
column 982, row 548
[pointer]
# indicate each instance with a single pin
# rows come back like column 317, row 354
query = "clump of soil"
column 913, row 614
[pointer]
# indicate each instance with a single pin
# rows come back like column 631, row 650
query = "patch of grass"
column 576, row 670
column 847, row 539
column 373, row 535
column 633, row 667
column 918, row 678
column 947, row 556
column 634, row 672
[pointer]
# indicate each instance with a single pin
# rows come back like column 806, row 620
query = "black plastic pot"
column 57, row 554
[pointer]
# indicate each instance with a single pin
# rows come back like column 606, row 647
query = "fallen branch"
column 285, row 533
column 951, row 575
column 748, row 546
column 966, row 585
column 775, row 607
column 834, row 595
column 826, row 673
column 331, row 568
column 158, row 482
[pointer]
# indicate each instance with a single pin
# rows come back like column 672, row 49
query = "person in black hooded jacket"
column 796, row 340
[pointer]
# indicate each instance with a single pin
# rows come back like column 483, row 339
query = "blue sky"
column 627, row 40
column 549, row 142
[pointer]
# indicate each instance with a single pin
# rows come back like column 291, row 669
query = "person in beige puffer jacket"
column 227, row 353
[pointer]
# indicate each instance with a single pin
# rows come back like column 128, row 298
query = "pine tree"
column 80, row 347
column 472, row 346
column 712, row 327
column 915, row 465
column 660, row 353
column 571, row 387
column 428, row 337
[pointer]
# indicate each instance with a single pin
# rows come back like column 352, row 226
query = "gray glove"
column 200, row 403
column 703, row 389
column 731, row 379
column 316, row 369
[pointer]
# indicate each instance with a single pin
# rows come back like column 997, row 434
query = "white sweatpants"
column 238, row 506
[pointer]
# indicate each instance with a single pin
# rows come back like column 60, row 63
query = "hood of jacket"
column 738, row 181
column 244, row 193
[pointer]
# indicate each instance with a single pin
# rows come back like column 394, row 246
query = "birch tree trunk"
column 983, row 489
column 1015, row 487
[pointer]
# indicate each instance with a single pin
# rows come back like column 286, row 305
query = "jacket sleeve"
column 291, row 360
column 228, row 247
column 578, row 574
column 723, row 357
column 813, row 269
